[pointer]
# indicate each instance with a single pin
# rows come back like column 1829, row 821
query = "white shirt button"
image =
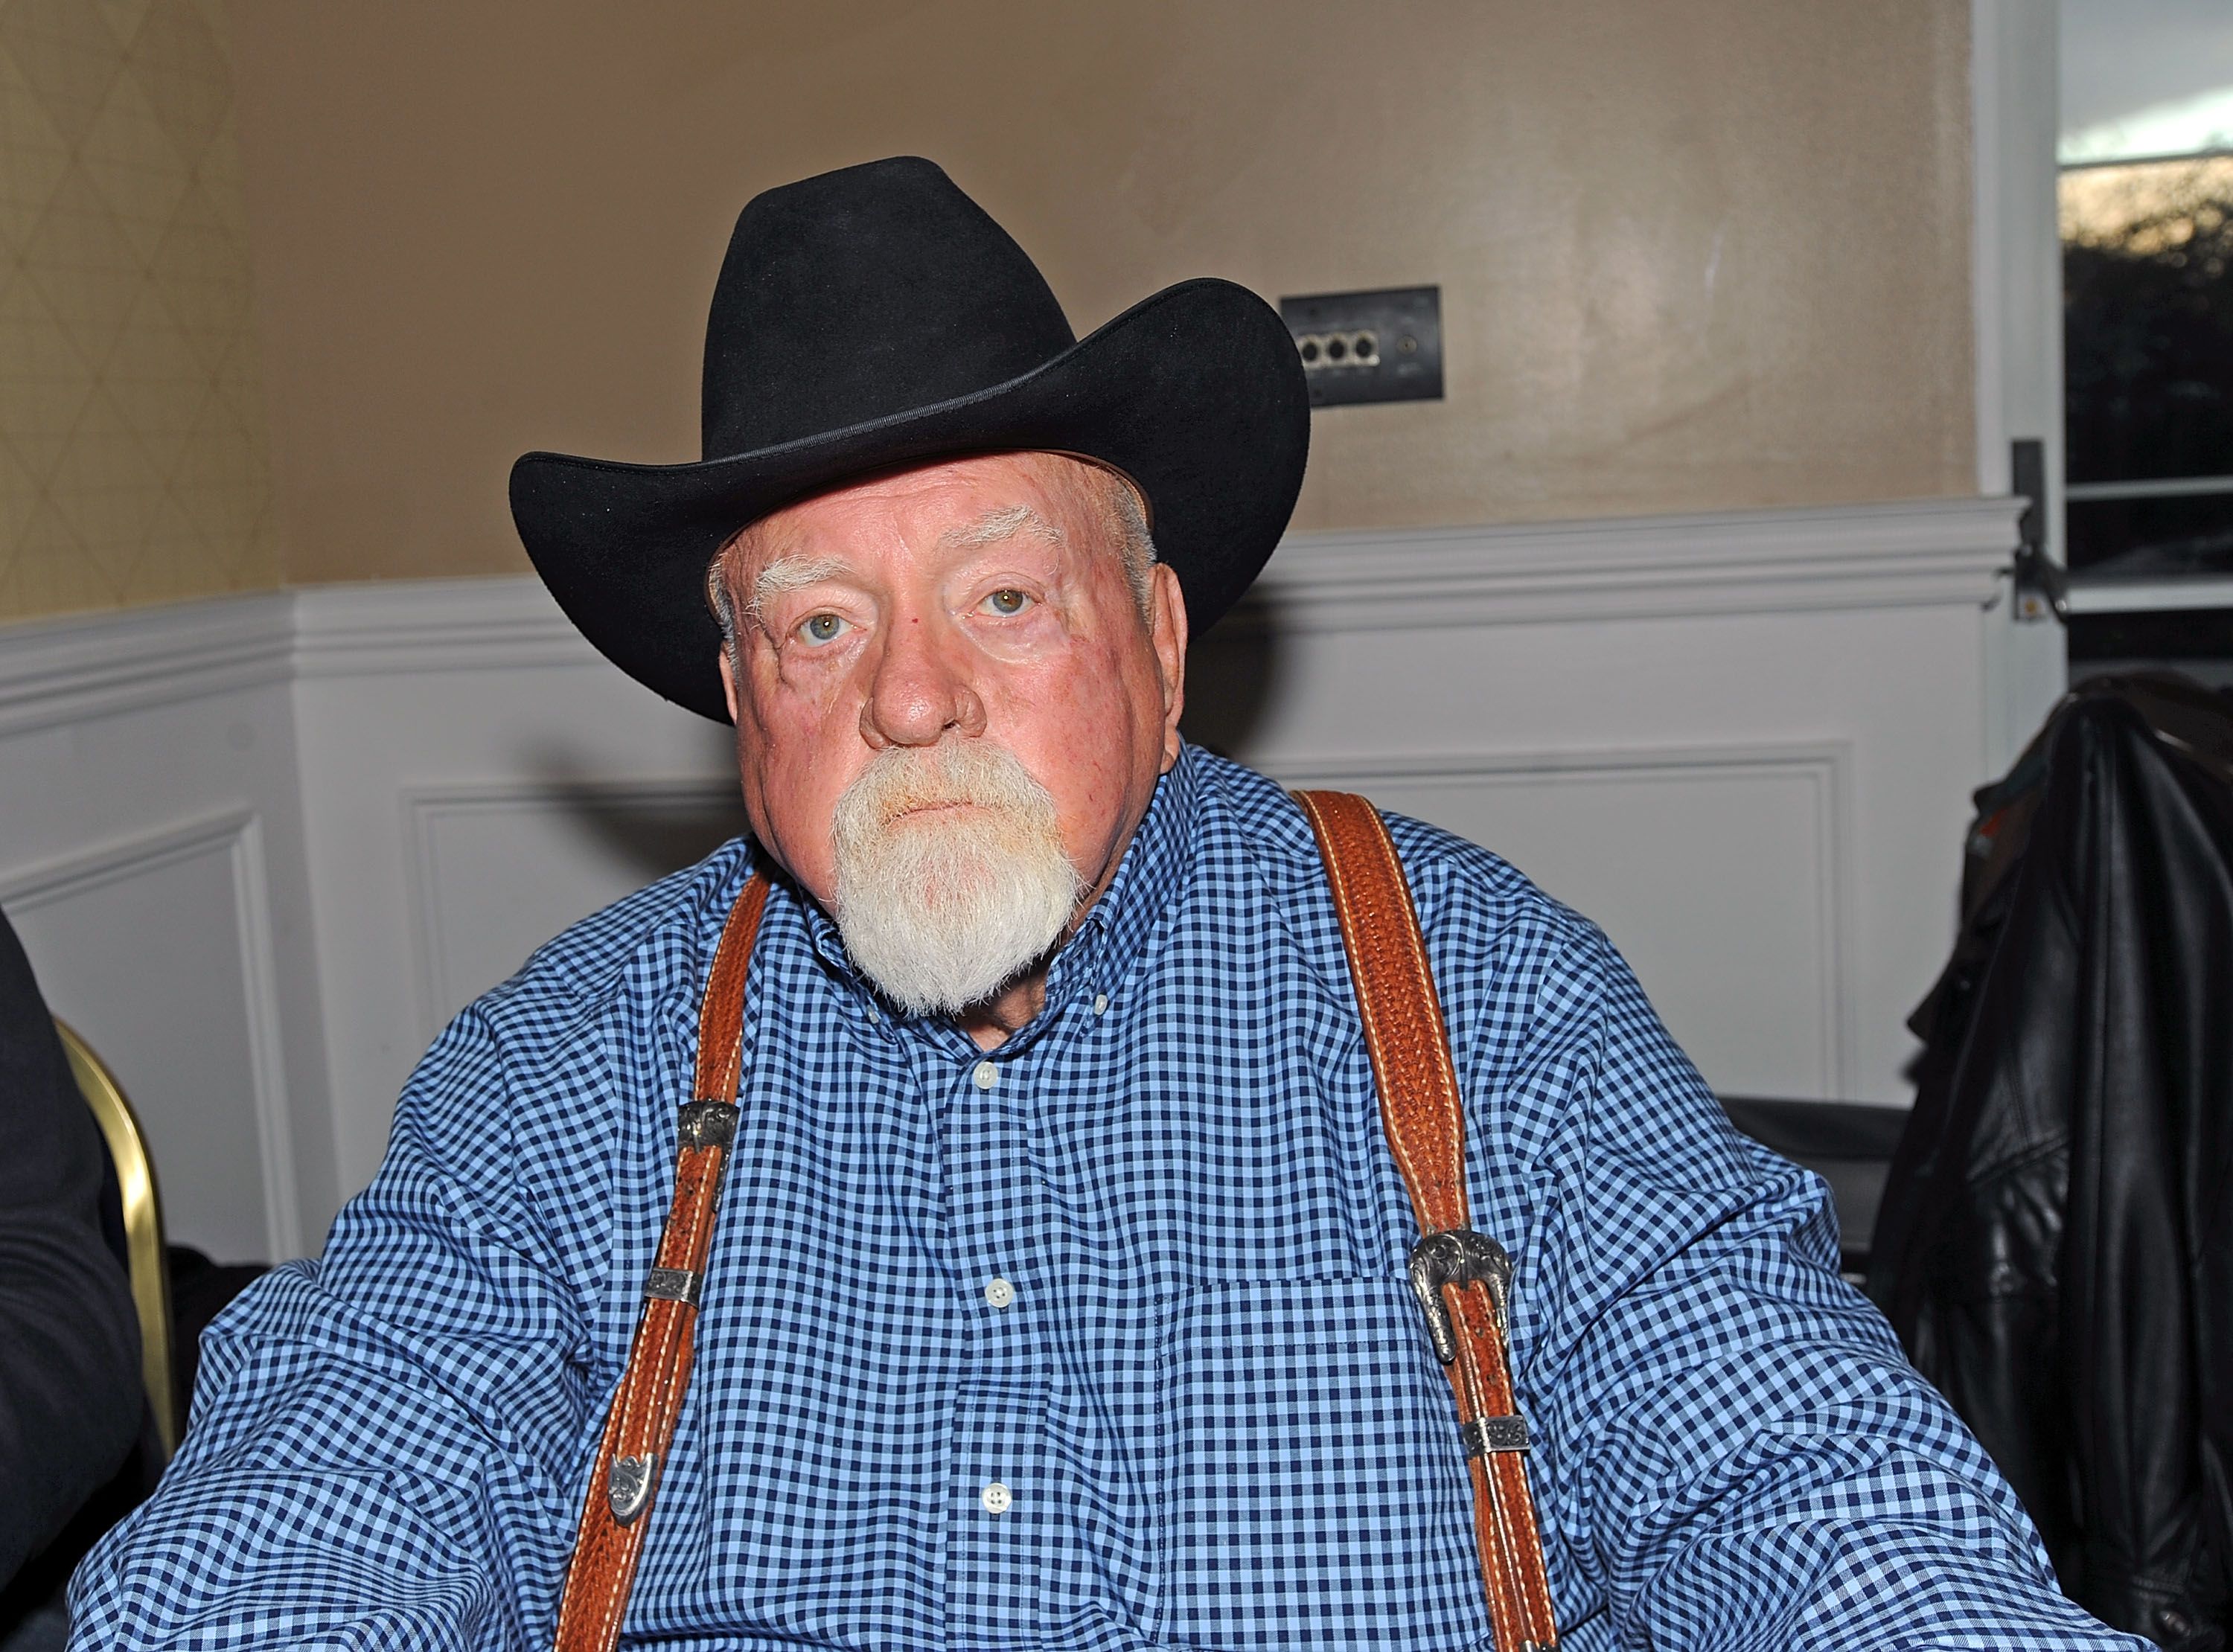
column 987, row 1074
column 999, row 1293
column 1100, row 1003
column 996, row 1498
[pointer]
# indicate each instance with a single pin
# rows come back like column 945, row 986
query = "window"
column 2146, row 220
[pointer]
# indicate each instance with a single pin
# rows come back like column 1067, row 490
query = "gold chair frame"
column 143, row 1224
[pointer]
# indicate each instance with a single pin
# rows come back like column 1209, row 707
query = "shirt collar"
column 1154, row 864
column 1117, row 926
column 822, row 930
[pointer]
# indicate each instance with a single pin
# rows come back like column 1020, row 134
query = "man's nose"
column 920, row 688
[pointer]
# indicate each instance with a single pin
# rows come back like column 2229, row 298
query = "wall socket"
column 1380, row 346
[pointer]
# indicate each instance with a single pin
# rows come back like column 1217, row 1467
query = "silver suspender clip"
column 1485, row 1434
column 673, row 1285
column 1456, row 1256
column 708, row 1124
column 628, row 1485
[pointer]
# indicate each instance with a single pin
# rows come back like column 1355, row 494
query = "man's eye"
column 1006, row 604
column 822, row 627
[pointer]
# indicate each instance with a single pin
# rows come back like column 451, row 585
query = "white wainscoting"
column 152, row 860
column 182, row 1017
column 1743, row 744
column 1722, row 867
column 474, row 778
column 490, row 864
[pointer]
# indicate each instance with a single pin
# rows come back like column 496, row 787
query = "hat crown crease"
column 863, row 294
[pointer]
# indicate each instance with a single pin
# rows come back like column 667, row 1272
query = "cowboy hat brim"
column 1196, row 393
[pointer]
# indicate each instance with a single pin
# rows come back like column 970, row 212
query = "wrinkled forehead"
column 1052, row 499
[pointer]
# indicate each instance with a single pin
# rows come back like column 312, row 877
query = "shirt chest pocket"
column 1312, row 1491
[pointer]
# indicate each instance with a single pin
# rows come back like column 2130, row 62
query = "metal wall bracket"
column 2045, row 590
column 2040, row 584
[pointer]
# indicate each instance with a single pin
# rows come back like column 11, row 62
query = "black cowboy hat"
column 876, row 317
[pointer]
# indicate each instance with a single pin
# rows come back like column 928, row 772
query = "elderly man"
column 1056, row 1295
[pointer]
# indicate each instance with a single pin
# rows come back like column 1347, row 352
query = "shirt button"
column 987, row 1074
column 1100, row 1003
column 999, row 1293
column 995, row 1498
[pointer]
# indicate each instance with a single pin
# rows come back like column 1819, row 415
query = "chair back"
column 143, row 1226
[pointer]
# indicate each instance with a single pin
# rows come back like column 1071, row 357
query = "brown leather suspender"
column 1462, row 1278
column 641, row 1423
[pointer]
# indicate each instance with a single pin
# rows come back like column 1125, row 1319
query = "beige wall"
column 1693, row 256
column 132, row 461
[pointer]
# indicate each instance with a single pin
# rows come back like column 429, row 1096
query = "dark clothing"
column 2056, row 1245
column 70, row 1399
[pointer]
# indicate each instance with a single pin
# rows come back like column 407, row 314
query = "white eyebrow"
column 787, row 573
column 1005, row 523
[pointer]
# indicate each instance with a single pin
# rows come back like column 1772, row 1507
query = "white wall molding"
column 519, row 808
column 43, row 882
column 1920, row 553
column 237, row 836
column 1822, row 760
column 55, row 672
column 259, row 966
column 498, row 623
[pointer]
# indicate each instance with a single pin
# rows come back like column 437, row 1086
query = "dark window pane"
column 2192, row 535
column 2183, row 637
column 2148, row 319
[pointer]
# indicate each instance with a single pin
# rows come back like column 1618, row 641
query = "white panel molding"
column 502, row 622
column 41, row 883
column 426, row 806
column 55, row 672
column 259, row 970
column 236, row 833
column 1930, row 553
column 1825, row 766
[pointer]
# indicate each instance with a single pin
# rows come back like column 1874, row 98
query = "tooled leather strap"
column 641, row 1425
column 1462, row 1276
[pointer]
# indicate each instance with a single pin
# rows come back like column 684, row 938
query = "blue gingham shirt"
column 1208, row 1395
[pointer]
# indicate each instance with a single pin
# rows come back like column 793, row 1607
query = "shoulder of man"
column 654, row 942
column 613, row 996
column 575, row 1053
column 1529, row 987
column 1471, row 901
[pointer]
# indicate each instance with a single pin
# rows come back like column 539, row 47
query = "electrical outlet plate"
column 1380, row 346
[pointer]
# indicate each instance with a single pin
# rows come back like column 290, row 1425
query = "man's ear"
column 729, row 680
column 1167, row 630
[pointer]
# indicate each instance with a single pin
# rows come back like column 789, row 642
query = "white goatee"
column 951, row 876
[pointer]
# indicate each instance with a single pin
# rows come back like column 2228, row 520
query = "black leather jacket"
column 2056, row 1245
